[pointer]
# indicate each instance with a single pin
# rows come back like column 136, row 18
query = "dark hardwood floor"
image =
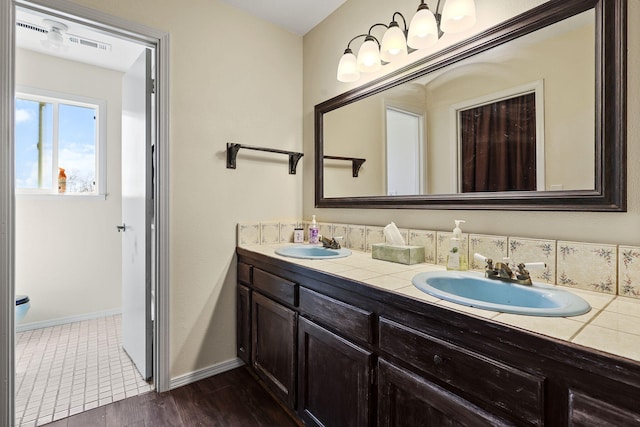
column 233, row 398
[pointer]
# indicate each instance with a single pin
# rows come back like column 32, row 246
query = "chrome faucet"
column 502, row 271
column 331, row 243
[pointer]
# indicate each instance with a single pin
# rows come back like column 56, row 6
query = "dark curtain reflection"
column 499, row 146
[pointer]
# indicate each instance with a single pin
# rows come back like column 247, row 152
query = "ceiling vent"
column 89, row 43
column 31, row 27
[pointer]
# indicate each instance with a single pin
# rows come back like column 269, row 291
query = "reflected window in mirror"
column 498, row 145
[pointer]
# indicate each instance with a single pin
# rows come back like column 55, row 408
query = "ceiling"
column 84, row 44
column 80, row 42
column 296, row 16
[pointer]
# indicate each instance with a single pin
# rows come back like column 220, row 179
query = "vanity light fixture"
column 424, row 31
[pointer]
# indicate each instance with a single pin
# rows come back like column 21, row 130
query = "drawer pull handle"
column 437, row 359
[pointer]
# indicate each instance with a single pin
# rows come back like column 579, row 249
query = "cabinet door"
column 408, row 400
column 243, row 314
column 273, row 346
column 334, row 379
column 586, row 411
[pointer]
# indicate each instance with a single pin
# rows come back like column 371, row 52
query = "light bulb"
column 348, row 67
column 394, row 44
column 458, row 16
column 369, row 56
column 423, row 29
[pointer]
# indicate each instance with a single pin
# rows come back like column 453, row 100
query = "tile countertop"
column 612, row 325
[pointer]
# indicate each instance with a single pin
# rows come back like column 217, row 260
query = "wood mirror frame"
column 610, row 192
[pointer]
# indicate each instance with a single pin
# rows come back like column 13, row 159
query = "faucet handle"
column 535, row 265
column 481, row 258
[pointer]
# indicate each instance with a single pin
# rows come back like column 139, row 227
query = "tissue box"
column 399, row 254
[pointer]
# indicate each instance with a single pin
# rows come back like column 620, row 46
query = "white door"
column 137, row 214
column 404, row 153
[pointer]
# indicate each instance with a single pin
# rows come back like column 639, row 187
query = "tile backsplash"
column 611, row 269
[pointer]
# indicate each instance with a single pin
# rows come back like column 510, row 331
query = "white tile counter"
column 612, row 325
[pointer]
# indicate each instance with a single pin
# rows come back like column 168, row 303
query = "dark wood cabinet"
column 334, row 379
column 587, row 411
column 273, row 346
column 341, row 353
column 406, row 399
column 515, row 393
column 243, row 319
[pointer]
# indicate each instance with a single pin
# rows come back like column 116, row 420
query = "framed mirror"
column 527, row 115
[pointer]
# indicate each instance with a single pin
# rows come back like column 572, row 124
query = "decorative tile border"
column 493, row 247
column 587, row 266
column 249, row 233
column 356, row 238
column 629, row 271
column 340, row 230
column 535, row 250
column 286, row 231
column 374, row 235
column 326, row 230
column 428, row 240
column 270, row 233
column 609, row 269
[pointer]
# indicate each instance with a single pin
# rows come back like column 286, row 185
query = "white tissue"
column 393, row 235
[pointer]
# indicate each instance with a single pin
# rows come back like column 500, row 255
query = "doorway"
column 404, row 152
column 87, row 86
column 107, row 24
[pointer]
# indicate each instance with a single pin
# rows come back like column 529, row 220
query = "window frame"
column 100, row 106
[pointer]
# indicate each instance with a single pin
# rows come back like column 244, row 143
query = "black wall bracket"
column 356, row 163
column 233, row 148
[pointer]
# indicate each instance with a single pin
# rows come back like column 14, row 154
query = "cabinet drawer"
column 513, row 391
column 355, row 323
column 244, row 273
column 277, row 287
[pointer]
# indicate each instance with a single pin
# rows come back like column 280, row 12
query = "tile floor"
column 67, row 369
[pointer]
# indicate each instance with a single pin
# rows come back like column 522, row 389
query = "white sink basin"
column 474, row 290
column 312, row 252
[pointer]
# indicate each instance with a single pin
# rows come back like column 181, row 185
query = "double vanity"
column 341, row 347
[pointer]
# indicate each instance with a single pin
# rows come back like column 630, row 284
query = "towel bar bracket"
column 356, row 163
column 233, row 148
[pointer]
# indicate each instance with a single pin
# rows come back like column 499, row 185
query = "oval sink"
column 474, row 290
column 312, row 252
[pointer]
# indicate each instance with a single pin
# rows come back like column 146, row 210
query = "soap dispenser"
column 314, row 231
column 456, row 259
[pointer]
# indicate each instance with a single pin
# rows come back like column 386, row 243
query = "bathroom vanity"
column 339, row 352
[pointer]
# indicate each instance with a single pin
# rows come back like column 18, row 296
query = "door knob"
column 122, row 228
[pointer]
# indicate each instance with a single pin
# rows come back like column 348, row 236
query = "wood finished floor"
column 233, row 398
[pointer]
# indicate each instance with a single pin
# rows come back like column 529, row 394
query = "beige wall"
column 67, row 251
column 351, row 132
column 323, row 47
column 234, row 78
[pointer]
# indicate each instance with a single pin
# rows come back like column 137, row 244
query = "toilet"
column 22, row 306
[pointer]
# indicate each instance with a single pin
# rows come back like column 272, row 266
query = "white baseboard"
column 64, row 320
column 201, row 374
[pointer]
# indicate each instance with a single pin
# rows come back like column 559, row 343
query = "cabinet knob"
column 437, row 359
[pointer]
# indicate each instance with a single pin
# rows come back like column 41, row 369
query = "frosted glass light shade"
column 423, row 30
column 458, row 15
column 394, row 45
column 348, row 68
column 369, row 56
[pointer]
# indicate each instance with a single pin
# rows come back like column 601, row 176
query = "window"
column 55, row 132
column 500, row 140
